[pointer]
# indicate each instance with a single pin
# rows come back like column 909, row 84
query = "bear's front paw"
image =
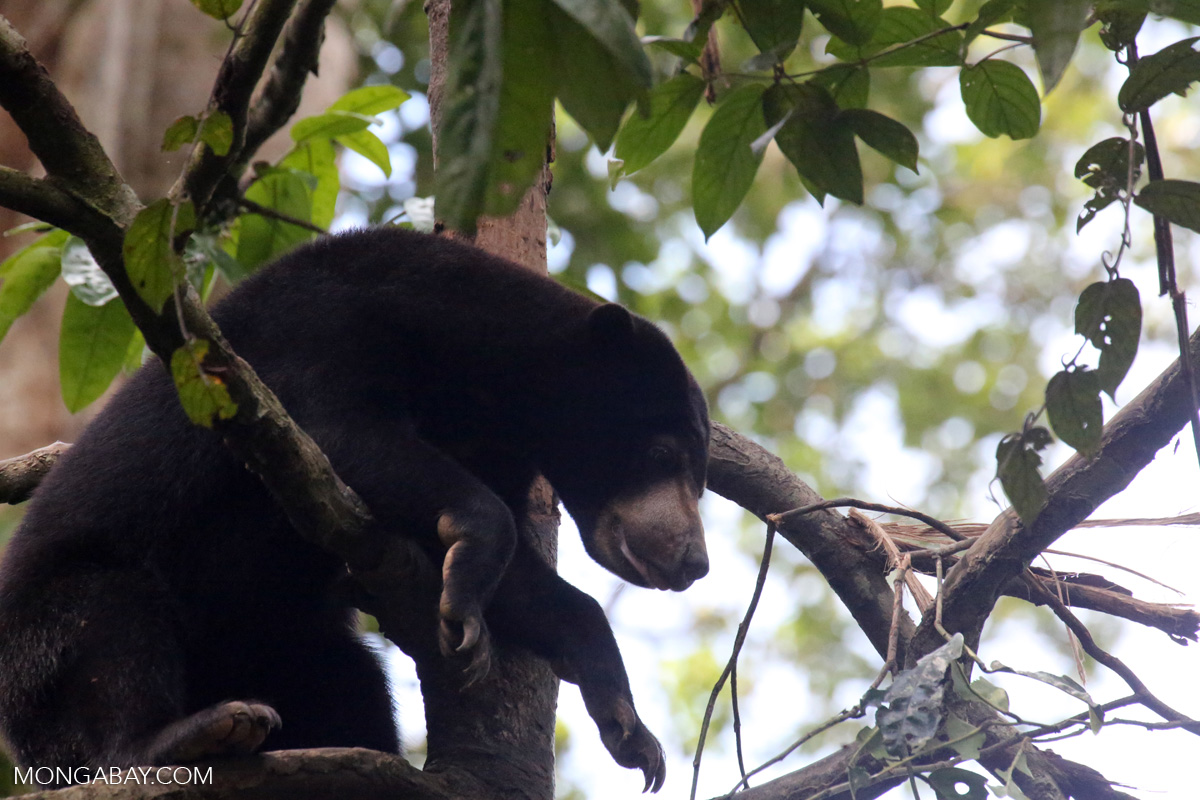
column 234, row 728
column 632, row 745
column 466, row 634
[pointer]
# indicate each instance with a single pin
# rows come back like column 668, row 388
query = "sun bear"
column 157, row 607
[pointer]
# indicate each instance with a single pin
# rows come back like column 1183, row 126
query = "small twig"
column 271, row 213
column 1145, row 696
column 850, row 502
column 738, row 641
column 737, row 725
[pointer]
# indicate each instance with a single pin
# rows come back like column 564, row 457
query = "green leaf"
column 852, row 21
column 774, row 25
column 370, row 147
column 330, row 124
column 316, row 157
column 644, row 138
column 91, row 349
column 945, row 783
column 1017, row 463
column 150, row 257
column 680, row 48
column 595, row 86
column 218, row 9
column 725, row 164
column 850, row 86
column 26, row 274
column 963, row 737
column 81, row 272
column 182, row 131
column 611, row 27
column 1073, row 404
column 884, row 134
column 1056, row 27
column 899, row 25
column 1110, row 316
column 204, row 397
column 992, row 694
column 216, row 131
column 1001, row 99
column 1105, row 168
column 990, row 13
column 1119, row 23
column 370, row 100
column 470, row 108
column 813, row 137
column 1185, row 10
column 1174, row 200
column 526, row 106
column 1169, row 71
column 934, row 8
column 260, row 239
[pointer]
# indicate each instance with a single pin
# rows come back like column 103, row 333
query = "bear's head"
column 634, row 466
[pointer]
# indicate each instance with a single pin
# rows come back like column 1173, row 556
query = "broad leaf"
column 815, row 139
column 26, row 274
column 1056, row 28
column 218, row 9
column 596, row 85
column 370, row 100
column 990, row 13
column 773, row 25
column 1017, row 462
column 316, row 157
column 644, row 138
column 1073, row 405
column 470, row 108
column 1110, row 316
column 885, row 135
column 150, row 257
column 1169, row 71
column 261, row 238
column 81, row 272
column 370, row 147
column 945, row 783
column 849, row 85
column 526, row 106
column 204, row 397
column 913, row 710
column 180, row 132
column 1105, row 167
column 897, row 26
column 725, row 162
column 1000, row 99
column 92, row 349
column 330, row 124
column 852, row 21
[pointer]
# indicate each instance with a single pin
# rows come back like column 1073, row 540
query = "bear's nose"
column 694, row 564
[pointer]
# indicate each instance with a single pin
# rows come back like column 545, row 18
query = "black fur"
column 153, row 578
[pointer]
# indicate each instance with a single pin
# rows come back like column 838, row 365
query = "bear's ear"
column 610, row 326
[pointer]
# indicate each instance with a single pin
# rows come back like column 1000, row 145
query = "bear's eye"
column 662, row 456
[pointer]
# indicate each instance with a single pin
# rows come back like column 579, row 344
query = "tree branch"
column 1130, row 441
column 239, row 74
column 70, row 153
column 280, row 95
column 757, row 480
column 20, row 476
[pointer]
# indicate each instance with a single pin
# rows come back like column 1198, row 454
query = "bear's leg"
column 233, row 728
column 411, row 486
column 330, row 691
column 92, row 669
column 535, row 608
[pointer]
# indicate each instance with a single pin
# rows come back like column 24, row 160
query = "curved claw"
column 472, row 639
column 632, row 745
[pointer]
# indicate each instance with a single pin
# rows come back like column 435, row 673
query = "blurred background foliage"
column 880, row 350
